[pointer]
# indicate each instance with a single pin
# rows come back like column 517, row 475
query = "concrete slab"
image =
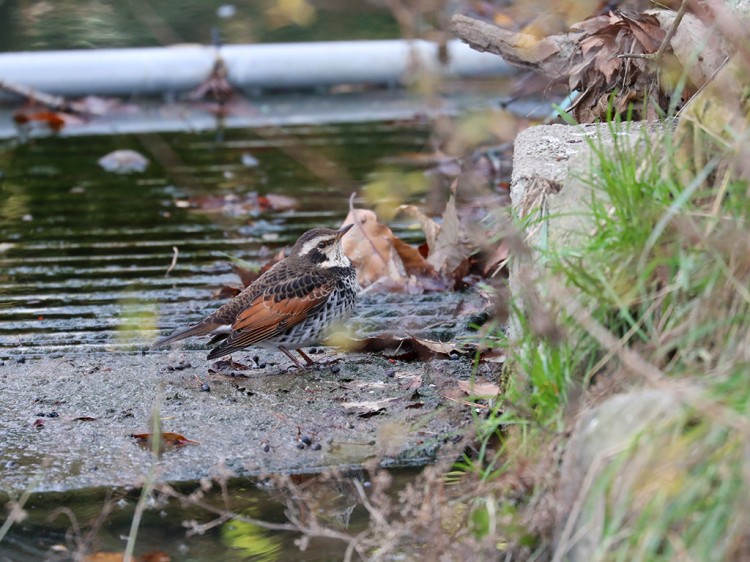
column 66, row 422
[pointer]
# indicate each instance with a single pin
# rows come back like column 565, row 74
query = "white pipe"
column 283, row 65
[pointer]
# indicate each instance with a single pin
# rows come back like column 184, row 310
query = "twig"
column 174, row 261
column 667, row 38
column 48, row 100
column 148, row 487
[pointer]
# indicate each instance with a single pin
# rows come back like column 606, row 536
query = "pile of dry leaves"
column 618, row 62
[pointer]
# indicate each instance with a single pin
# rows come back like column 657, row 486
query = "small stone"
column 306, row 440
column 262, row 365
column 335, row 369
column 300, row 445
column 21, row 360
column 390, row 374
column 454, row 356
column 316, row 447
column 123, row 161
column 266, row 447
column 205, row 387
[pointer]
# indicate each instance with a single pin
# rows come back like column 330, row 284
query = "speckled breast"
column 337, row 309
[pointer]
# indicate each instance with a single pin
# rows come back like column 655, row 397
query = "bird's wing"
column 276, row 310
column 206, row 326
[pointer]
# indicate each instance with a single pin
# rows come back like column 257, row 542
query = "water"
column 84, row 251
column 96, row 521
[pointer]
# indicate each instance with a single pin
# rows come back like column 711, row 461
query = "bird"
column 290, row 306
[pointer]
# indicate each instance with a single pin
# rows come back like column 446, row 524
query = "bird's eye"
column 321, row 245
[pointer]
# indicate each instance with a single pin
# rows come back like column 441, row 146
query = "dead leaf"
column 53, row 119
column 405, row 348
column 167, row 440
column 369, row 408
column 479, row 388
column 104, row 557
column 449, row 248
column 153, row 556
column 429, row 226
column 498, row 259
column 384, row 261
column 693, row 37
column 411, row 382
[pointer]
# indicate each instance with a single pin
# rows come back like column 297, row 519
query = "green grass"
column 661, row 280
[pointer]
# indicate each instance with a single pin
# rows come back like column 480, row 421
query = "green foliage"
column 665, row 270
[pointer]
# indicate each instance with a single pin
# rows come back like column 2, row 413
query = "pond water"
column 98, row 521
column 80, row 247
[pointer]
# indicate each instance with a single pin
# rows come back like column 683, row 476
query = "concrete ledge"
column 551, row 189
column 67, row 422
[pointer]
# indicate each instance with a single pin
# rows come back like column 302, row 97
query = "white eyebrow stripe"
column 310, row 244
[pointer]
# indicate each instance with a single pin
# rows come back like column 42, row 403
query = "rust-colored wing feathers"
column 268, row 316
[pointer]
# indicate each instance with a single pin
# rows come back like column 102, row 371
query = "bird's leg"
column 306, row 357
column 288, row 353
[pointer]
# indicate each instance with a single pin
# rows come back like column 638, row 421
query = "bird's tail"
column 196, row 330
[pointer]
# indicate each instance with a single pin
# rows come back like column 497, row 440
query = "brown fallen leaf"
column 104, row 557
column 167, row 440
column 383, row 259
column 448, row 245
column 369, row 408
column 410, row 382
column 693, row 36
column 479, row 388
column 405, row 348
column 53, row 119
column 153, row 556
column 602, row 57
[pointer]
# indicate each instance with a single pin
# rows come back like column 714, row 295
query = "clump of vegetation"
column 655, row 296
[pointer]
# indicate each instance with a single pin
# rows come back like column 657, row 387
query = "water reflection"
column 228, row 520
column 72, row 24
column 79, row 243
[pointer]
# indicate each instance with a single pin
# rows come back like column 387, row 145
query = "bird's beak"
column 343, row 230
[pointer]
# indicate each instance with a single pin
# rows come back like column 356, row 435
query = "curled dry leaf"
column 371, row 407
column 380, row 257
column 167, row 440
column 153, row 556
column 406, row 348
column 602, row 76
column 697, row 48
column 450, row 248
column 602, row 58
column 479, row 388
column 55, row 120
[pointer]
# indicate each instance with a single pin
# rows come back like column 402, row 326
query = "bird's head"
column 322, row 246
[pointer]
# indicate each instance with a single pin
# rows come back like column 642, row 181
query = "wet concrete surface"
column 67, row 420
